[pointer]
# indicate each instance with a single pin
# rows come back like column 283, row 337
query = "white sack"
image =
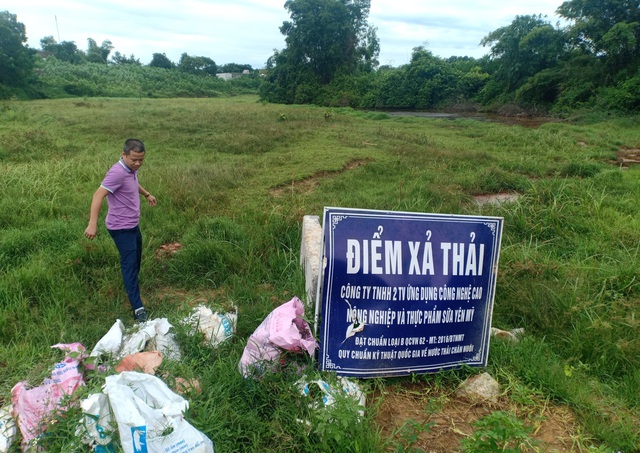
column 150, row 416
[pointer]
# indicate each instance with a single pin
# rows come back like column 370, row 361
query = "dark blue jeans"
column 129, row 244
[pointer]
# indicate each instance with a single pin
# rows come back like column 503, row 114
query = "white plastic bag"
column 96, row 428
column 111, row 343
column 216, row 327
column 330, row 391
column 136, row 341
column 150, row 416
column 8, row 429
column 154, row 334
column 164, row 341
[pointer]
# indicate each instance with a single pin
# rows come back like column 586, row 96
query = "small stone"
column 514, row 335
column 481, row 387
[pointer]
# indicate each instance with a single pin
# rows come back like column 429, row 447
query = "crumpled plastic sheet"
column 153, row 335
column 216, row 327
column 111, row 343
column 31, row 406
column 8, row 429
column 330, row 391
column 283, row 329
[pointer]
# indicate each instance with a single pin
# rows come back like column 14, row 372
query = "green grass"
column 233, row 178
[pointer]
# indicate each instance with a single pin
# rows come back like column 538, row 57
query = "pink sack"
column 283, row 329
column 32, row 406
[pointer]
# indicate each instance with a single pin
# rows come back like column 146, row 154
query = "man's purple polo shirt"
column 123, row 198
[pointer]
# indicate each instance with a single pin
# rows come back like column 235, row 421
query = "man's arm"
column 145, row 193
column 96, row 204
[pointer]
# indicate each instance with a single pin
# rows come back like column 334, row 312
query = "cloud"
column 247, row 31
column 452, row 28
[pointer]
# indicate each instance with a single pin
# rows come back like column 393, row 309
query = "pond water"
column 514, row 120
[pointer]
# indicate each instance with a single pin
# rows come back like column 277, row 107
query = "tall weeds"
column 234, row 178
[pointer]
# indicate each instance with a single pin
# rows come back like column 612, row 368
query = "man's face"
column 133, row 160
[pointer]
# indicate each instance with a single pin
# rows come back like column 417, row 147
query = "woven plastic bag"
column 96, row 428
column 284, row 329
column 32, row 406
column 215, row 326
column 150, row 416
column 8, row 429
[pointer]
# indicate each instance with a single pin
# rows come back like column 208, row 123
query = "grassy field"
column 233, row 178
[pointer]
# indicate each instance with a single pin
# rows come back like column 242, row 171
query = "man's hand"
column 91, row 232
column 96, row 203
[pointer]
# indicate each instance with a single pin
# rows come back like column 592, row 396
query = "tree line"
column 69, row 52
column 60, row 69
column 331, row 58
column 532, row 65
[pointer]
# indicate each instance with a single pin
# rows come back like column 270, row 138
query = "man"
column 121, row 188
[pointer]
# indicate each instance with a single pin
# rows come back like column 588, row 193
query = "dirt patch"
column 188, row 299
column 496, row 198
column 627, row 157
column 512, row 117
column 307, row 185
column 448, row 419
column 217, row 298
column 167, row 250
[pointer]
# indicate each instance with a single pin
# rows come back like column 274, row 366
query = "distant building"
column 233, row 75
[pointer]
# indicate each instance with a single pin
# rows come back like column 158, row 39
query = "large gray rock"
column 481, row 387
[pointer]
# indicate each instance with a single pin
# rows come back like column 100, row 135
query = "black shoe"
column 140, row 315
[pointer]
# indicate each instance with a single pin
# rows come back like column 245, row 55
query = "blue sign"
column 406, row 292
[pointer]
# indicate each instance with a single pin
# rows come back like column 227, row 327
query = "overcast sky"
column 247, row 31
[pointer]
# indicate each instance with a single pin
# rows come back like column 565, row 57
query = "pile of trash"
column 145, row 412
column 137, row 405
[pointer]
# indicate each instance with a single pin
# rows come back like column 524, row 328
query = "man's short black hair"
column 133, row 144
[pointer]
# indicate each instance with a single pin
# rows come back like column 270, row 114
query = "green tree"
column 432, row 77
column 429, row 82
column 160, row 60
column 16, row 59
column 197, row 65
column 621, row 44
column 119, row 58
column 288, row 83
column 605, row 39
column 98, row 54
column 525, row 47
column 609, row 28
column 324, row 39
column 329, row 35
column 395, row 89
column 234, row 67
column 63, row 51
column 369, row 49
